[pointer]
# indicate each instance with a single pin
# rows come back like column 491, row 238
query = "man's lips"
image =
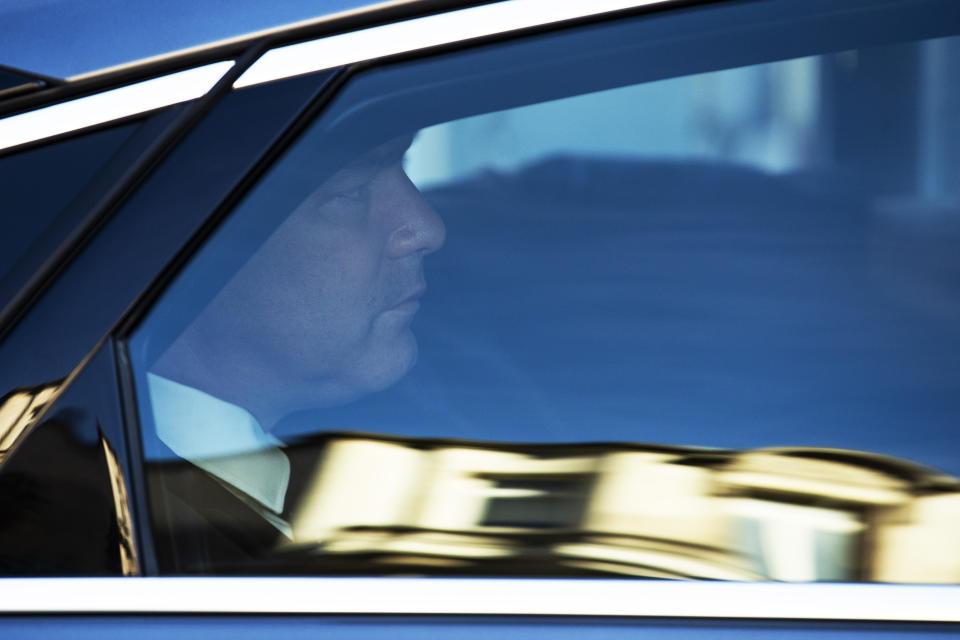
column 411, row 303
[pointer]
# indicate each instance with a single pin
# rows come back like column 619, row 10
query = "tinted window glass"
column 38, row 184
column 9, row 79
column 684, row 319
column 63, row 496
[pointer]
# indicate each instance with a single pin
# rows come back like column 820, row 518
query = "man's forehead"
column 384, row 155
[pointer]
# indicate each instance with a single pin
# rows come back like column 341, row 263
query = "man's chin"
column 381, row 368
column 376, row 367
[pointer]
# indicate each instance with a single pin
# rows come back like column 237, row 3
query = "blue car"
column 528, row 318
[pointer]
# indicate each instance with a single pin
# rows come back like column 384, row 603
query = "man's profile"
column 319, row 315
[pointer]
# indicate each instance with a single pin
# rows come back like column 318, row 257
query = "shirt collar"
column 222, row 439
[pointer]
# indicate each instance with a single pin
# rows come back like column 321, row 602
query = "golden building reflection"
column 786, row 514
column 19, row 411
column 126, row 543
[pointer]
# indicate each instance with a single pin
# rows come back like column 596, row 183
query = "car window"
column 63, row 481
column 30, row 205
column 10, row 79
column 572, row 305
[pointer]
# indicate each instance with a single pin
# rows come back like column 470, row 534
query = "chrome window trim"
column 243, row 41
column 470, row 596
column 110, row 105
column 421, row 33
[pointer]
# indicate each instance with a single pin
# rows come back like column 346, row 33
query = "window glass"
column 9, row 79
column 63, row 491
column 572, row 307
column 38, row 184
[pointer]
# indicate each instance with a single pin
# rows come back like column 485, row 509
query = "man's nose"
column 420, row 228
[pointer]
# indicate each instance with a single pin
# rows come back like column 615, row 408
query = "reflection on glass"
column 383, row 504
column 121, row 505
column 19, row 410
column 64, row 505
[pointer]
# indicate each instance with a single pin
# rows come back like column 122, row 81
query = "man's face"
column 324, row 308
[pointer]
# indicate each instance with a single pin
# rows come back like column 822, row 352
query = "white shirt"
column 222, row 439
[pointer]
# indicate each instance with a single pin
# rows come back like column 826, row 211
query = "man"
column 319, row 315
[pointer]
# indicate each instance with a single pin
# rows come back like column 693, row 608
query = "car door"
column 498, row 321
